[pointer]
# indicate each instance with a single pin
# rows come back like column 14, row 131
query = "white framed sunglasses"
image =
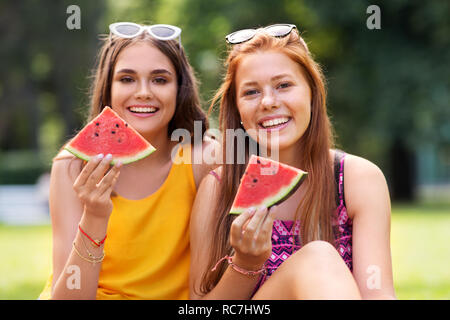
column 158, row 31
column 275, row 30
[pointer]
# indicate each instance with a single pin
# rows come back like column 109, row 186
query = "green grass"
column 420, row 242
column 25, row 262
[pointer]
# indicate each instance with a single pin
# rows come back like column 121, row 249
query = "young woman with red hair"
column 321, row 243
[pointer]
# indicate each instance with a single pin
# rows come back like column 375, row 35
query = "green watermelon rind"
column 124, row 160
column 284, row 193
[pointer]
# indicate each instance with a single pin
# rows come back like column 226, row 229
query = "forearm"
column 79, row 278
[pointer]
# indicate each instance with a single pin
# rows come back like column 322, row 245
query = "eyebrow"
column 277, row 77
column 249, row 83
column 280, row 76
column 156, row 71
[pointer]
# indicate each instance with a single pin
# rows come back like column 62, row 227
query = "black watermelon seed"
column 97, row 123
column 96, row 134
column 113, row 132
column 126, row 124
column 117, row 125
column 119, row 141
column 257, row 161
column 255, row 180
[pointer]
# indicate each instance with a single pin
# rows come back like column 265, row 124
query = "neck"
column 162, row 154
column 289, row 156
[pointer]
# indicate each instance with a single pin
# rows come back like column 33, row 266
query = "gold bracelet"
column 89, row 253
column 93, row 261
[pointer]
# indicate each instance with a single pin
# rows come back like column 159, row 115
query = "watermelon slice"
column 108, row 133
column 266, row 183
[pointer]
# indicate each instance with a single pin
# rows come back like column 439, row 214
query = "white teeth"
column 141, row 109
column 274, row 122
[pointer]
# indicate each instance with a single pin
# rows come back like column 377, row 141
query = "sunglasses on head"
column 158, row 31
column 276, row 30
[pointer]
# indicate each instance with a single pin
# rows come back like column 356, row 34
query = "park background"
column 388, row 100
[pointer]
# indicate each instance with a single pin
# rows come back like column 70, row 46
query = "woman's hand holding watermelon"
column 95, row 184
column 251, row 237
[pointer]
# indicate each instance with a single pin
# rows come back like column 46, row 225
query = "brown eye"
column 250, row 92
column 284, row 85
column 160, row 80
column 126, row 79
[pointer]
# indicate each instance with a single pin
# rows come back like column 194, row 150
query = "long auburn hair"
column 316, row 208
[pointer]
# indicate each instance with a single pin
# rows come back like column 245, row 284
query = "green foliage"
column 387, row 87
column 22, row 167
column 44, row 57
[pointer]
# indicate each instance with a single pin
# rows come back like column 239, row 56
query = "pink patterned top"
column 283, row 230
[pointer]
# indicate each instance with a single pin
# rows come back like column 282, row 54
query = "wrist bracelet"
column 93, row 261
column 97, row 243
column 91, row 256
column 243, row 271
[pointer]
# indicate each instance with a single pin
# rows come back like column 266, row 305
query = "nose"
column 269, row 100
column 144, row 91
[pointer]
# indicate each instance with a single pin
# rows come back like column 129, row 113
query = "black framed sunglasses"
column 275, row 30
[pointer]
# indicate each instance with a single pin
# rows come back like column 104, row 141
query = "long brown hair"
column 188, row 106
column 316, row 208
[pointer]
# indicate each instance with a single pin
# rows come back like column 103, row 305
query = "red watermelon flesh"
column 266, row 183
column 108, row 133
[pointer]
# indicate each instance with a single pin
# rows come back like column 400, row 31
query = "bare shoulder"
column 66, row 165
column 204, row 158
column 206, row 197
column 208, row 188
column 364, row 184
column 355, row 165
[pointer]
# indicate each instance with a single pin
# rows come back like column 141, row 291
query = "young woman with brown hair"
column 321, row 243
column 144, row 75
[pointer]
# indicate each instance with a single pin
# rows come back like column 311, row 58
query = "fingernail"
column 100, row 156
column 108, row 156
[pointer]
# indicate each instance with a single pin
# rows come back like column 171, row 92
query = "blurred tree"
column 44, row 71
column 43, row 58
column 388, row 88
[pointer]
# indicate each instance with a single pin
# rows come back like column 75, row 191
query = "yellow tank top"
column 147, row 249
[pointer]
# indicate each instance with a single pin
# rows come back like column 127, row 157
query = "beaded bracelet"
column 263, row 270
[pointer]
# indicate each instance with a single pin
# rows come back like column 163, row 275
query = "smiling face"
column 144, row 89
column 273, row 96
